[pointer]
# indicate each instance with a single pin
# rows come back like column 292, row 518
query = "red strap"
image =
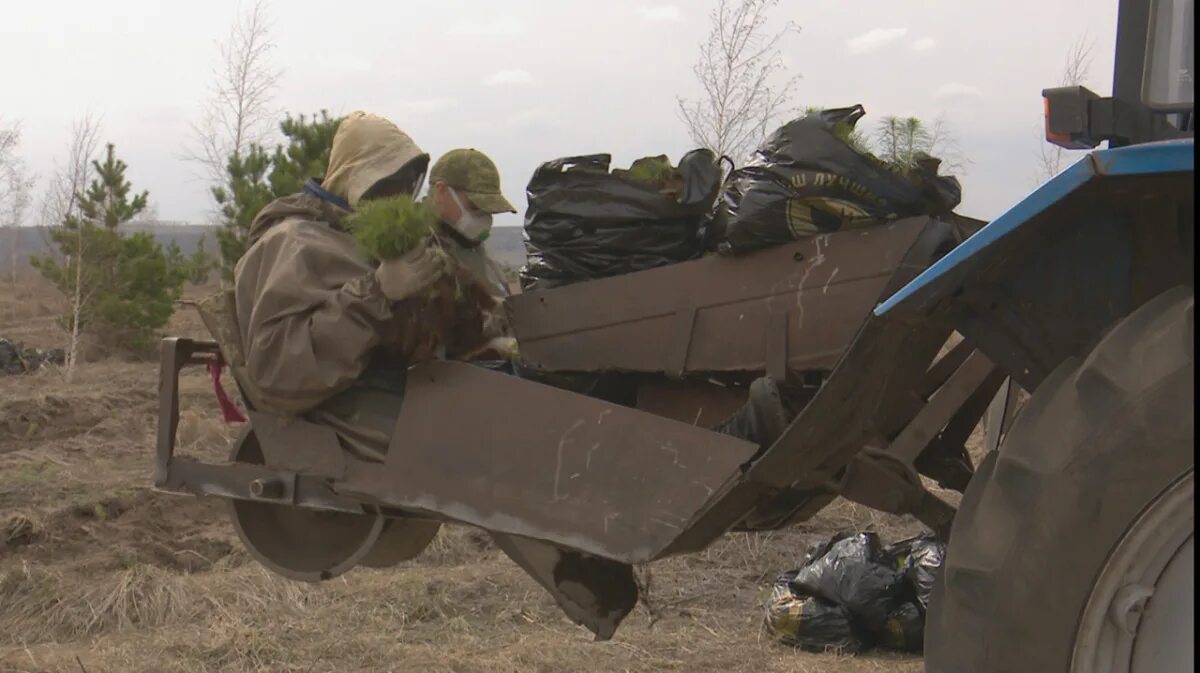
column 228, row 408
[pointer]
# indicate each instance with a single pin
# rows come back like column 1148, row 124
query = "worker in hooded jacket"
column 314, row 312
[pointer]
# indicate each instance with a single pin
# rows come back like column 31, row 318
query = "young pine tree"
column 259, row 177
column 245, row 193
column 902, row 141
column 121, row 288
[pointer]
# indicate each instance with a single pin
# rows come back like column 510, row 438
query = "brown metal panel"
column 521, row 458
column 776, row 347
column 932, row 417
column 675, row 359
column 819, row 328
column 595, row 592
column 292, row 443
column 827, row 284
column 698, row 403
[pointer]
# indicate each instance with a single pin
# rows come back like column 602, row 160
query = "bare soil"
column 98, row 573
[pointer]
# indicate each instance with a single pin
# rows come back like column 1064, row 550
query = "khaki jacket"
column 309, row 310
column 311, row 319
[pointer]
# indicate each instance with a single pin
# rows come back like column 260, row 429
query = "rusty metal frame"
column 941, row 407
column 174, row 355
column 862, row 442
column 238, row 481
column 780, row 475
column 888, row 479
column 856, row 441
column 880, row 480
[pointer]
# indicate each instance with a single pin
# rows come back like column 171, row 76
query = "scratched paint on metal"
column 519, row 457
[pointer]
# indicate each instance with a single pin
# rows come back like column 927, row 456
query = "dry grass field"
column 100, row 574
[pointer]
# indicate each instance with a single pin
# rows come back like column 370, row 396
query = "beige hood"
column 366, row 149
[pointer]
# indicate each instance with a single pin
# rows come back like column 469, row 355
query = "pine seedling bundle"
column 450, row 316
column 389, row 228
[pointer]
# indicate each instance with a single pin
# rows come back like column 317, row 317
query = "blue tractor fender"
column 1044, row 279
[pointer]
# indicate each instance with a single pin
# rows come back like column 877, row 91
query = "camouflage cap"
column 472, row 173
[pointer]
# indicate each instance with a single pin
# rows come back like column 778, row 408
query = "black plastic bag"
column 810, row 623
column 806, row 180
column 10, row 358
column 920, row 559
column 905, row 629
column 854, row 572
column 584, row 222
column 16, row 359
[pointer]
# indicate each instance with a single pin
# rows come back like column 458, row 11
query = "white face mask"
column 474, row 226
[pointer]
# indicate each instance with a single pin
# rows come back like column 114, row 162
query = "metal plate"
column 513, row 456
column 819, row 289
column 292, row 443
column 698, row 403
column 595, row 592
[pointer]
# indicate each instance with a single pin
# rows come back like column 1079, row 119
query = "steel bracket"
column 882, row 481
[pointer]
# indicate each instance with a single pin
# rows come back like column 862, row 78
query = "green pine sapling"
column 388, row 228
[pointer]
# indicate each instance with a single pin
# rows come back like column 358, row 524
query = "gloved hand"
column 407, row 275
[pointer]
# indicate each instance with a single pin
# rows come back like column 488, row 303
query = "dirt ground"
column 100, row 574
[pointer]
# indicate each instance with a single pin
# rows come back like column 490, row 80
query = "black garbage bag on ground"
column 806, row 180
column 920, row 559
column 905, row 629
column 857, row 593
column 810, row 623
column 10, row 358
column 17, row 359
column 853, row 571
column 584, row 222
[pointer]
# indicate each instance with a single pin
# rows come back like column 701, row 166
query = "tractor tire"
column 1095, row 445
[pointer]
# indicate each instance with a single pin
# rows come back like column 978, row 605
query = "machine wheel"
column 300, row 544
column 400, row 540
column 1072, row 550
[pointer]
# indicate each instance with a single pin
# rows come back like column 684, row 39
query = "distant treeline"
column 505, row 243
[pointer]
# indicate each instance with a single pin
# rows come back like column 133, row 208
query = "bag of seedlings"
column 854, row 572
column 586, row 222
column 811, row 623
column 456, row 317
column 905, row 629
column 920, row 559
column 808, row 179
column 853, row 591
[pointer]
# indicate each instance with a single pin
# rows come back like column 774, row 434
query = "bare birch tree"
column 13, row 207
column 742, row 75
column 943, row 144
column 62, row 205
column 1076, row 72
column 10, row 138
column 240, row 110
column 15, row 186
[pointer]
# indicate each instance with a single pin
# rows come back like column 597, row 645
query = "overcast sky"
column 529, row 81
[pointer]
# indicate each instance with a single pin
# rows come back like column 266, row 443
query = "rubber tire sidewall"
column 1099, row 440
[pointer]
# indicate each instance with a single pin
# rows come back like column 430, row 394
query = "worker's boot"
column 762, row 418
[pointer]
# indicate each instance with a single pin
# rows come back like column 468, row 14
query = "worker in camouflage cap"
column 465, row 191
column 464, row 194
column 318, row 322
